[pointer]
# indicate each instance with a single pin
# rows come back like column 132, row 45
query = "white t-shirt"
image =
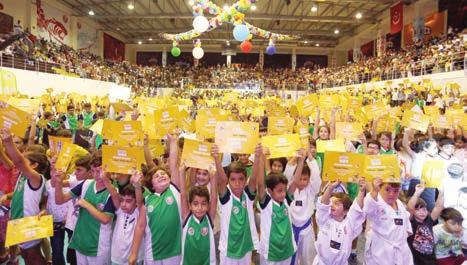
column 72, row 214
column 59, row 212
column 122, row 237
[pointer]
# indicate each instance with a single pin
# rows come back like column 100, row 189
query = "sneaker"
column 353, row 259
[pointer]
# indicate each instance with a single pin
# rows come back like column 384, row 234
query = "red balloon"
column 246, row 46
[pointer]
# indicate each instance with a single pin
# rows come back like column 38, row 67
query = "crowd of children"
column 244, row 208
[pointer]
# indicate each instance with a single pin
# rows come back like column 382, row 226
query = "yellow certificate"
column 386, row 123
column 166, row 120
column 285, row 145
column 15, row 119
column 307, row 104
column 120, row 107
column 206, row 123
column 123, row 133
column 385, row 167
column 56, row 143
column 280, row 125
column 123, row 160
column 415, row 120
column 237, row 137
column 30, row 106
column 65, row 156
column 433, row 172
column 342, row 166
column 328, row 101
column 303, row 132
column 27, row 229
column 97, row 126
column 349, row 130
column 337, row 145
column 197, row 154
column 441, row 121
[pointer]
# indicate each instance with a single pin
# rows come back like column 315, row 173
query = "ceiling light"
column 150, row 39
column 253, row 7
column 336, row 31
column 314, row 8
column 358, row 15
column 91, row 13
column 306, row 42
column 191, row 2
column 131, row 6
column 317, row 44
column 140, row 42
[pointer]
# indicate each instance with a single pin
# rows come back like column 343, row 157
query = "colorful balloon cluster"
column 243, row 31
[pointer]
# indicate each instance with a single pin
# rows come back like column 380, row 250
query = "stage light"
column 131, row 6
column 150, row 39
column 91, row 13
column 314, row 8
column 306, row 42
column 317, row 44
column 140, row 42
column 336, row 31
column 358, row 15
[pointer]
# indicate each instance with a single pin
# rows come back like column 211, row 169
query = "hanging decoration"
column 246, row 46
column 271, row 49
column 198, row 52
column 234, row 14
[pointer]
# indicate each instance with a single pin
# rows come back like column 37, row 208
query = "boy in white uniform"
column 340, row 222
column 304, row 192
column 389, row 226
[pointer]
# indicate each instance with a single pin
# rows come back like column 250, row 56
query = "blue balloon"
column 271, row 50
column 241, row 32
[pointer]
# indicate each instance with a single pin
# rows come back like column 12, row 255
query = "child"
column 28, row 191
column 198, row 211
column 422, row 242
column 236, row 199
column 302, row 209
column 277, row 245
column 93, row 231
column 340, row 222
column 389, row 226
column 448, row 238
column 160, row 220
column 70, row 119
column 127, row 211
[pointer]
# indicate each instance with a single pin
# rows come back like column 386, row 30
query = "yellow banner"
column 206, row 123
column 431, row 110
column 337, row 145
column 280, row 125
column 349, row 130
column 30, row 106
column 285, row 145
column 15, row 119
column 458, row 117
column 122, row 160
column 28, row 228
column 385, row 167
column 375, row 110
column 123, row 133
column 307, row 104
column 120, row 107
column 342, row 166
column 303, row 132
column 433, row 172
column 8, row 82
column 441, row 121
column 166, row 121
column 386, row 123
column 148, row 123
column 328, row 101
column 237, row 137
column 56, row 143
column 197, row 154
column 415, row 120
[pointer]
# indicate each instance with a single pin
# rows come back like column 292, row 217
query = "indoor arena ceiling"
column 314, row 21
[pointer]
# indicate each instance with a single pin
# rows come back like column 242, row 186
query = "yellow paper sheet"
column 237, row 137
column 433, row 172
column 306, row 104
column 342, row 166
column 166, row 121
column 280, row 125
column 415, row 120
column 349, row 130
column 285, row 145
column 30, row 106
column 337, row 145
column 15, row 119
column 441, row 121
column 197, row 154
column 385, row 167
column 123, row 133
column 206, row 123
column 56, row 143
column 122, row 159
column 28, row 229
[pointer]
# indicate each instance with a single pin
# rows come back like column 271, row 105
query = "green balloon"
column 175, row 51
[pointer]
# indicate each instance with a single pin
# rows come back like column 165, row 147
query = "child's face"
column 372, row 149
column 199, row 206
column 96, row 172
column 448, row 149
column 237, row 183
column 277, row 167
column 421, row 214
column 202, row 177
column 459, row 144
column 81, row 173
column 385, row 142
column 432, row 150
column 71, row 111
column 127, row 204
column 121, row 178
column 453, row 227
column 303, row 181
column 389, row 193
column 278, row 192
column 244, row 158
column 160, row 181
column 337, row 209
column 312, row 150
column 323, row 133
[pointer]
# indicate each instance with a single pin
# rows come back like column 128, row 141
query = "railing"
column 27, row 64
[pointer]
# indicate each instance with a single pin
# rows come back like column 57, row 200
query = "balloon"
column 241, row 32
column 175, row 51
column 201, row 24
column 246, row 46
column 198, row 53
column 271, row 50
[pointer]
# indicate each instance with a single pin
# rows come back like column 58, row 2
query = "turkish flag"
column 397, row 19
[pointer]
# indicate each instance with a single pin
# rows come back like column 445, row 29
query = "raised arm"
column 408, row 134
column 362, row 192
column 258, row 167
column 102, row 217
column 221, row 176
column 316, row 125
column 112, row 190
column 213, row 193
column 147, row 153
column 18, row 159
column 4, row 159
column 135, row 180
column 376, row 187
column 332, row 124
column 32, row 131
column 439, row 205
column 374, row 127
column 173, row 158
column 298, row 171
column 259, row 158
column 183, row 192
column 326, row 198
column 60, row 196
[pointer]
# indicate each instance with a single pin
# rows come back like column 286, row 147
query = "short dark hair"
column 446, row 141
column 451, row 214
column 236, row 167
column 375, row 142
column 344, row 199
column 275, row 179
column 312, row 142
column 48, row 114
column 281, row 160
column 128, row 190
column 385, row 133
column 200, row 191
column 306, row 170
column 84, row 161
column 64, row 133
column 87, row 105
column 69, row 107
column 420, row 203
column 96, row 159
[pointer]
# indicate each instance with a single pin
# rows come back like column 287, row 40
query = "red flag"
column 397, row 21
